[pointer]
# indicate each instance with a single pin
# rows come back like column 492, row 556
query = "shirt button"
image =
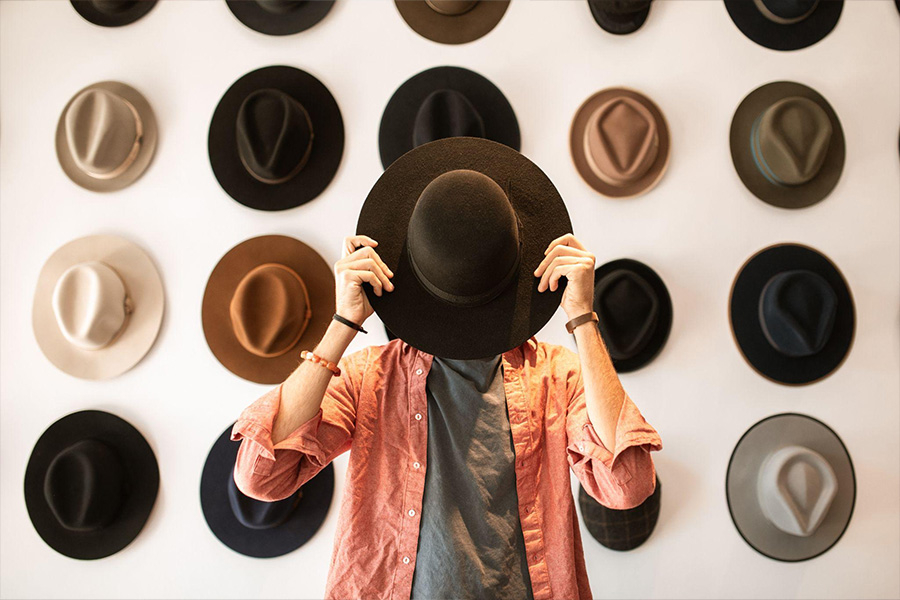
column 537, row 557
column 405, row 560
column 416, row 465
column 411, row 513
column 418, row 416
column 418, row 371
column 581, row 447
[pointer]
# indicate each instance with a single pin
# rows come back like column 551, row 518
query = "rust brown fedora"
column 452, row 21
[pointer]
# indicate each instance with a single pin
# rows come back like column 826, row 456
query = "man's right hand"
column 359, row 263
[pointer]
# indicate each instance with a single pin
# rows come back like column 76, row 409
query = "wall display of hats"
column 452, row 21
column 280, row 17
column 785, row 24
column 113, row 13
column 621, row 530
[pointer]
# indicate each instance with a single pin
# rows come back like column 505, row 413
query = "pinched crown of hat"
column 446, row 113
column 104, row 133
column 629, row 312
column 621, row 141
column 790, row 140
column 796, row 488
column 797, row 309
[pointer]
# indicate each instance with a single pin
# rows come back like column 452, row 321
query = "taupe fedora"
column 787, row 144
column 106, row 136
column 619, row 141
column 98, row 306
column 452, row 21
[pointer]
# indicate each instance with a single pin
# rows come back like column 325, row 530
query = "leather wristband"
column 315, row 358
column 348, row 323
column 580, row 320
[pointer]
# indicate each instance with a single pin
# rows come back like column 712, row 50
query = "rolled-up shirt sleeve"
column 269, row 472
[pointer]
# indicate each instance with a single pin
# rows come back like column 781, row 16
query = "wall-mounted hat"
column 445, row 102
column 106, row 136
column 113, row 13
column 267, row 299
column 635, row 312
column 790, row 487
column 276, row 138
column 280, row 17
column 620, row 529
column 252, row 527
column 792, row 314
column 90, row 484
column 619, row 142
column 620, row 16
column 463, row 222
column 787, row 144
column 98, row 306
column 785, row 24
column 452, row 21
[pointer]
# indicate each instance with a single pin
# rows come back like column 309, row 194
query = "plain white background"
column 696, row 229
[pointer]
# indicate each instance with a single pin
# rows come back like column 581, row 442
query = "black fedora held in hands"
column 620, row 529
column 785, row 24
column 445, row 102
column 113, row 13
column 276, row 138
column 280, row 17
column 792, row 314
column 90, row 484
column 463, row 222
column 620, row 16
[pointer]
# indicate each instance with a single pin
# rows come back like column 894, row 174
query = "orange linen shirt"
column 377, row 409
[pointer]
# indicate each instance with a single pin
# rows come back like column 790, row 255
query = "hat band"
column 300, row 164
column 132, row 154
column 768, row 14
column 758, row 159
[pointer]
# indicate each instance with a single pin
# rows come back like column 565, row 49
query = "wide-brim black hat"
column 748, row 332
column 410, row 311
column 777, row 36
column 620, row 529
column 139, row 468
column 302, row 524
column 395, row 136
column 618, row 24
column 327, row 145
column 256, row 17
column 126, row 16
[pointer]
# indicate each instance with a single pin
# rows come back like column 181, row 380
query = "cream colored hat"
column 106, row 136
column 98, row 306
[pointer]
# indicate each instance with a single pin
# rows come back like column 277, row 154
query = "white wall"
column 696, row 229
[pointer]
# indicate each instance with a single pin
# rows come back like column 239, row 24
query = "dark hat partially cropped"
column 790, row 487
column 452, row 21
column 620, row 16
column 445, row 102
column 113, row 13
column 787, row 144
column 635, row 312
column 267, row 299
column 785, row 24
column 620, row 529
column 276, row 138
column 90, row 484
column 792, row 314
column 253, row 527
column 280, row 17
column 463, row 222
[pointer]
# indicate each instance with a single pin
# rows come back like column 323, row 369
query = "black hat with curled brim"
column 785, row 36
column 618, row 17
column 417, row 315
column 281, row 18
column 110, row 14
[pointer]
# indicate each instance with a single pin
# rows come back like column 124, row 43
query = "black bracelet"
column 348, row 323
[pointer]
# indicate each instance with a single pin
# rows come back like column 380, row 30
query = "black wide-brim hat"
column 302, row 524
column 395, row 136
column 327, row 148
column 776, row 36
column 621, row 530
column 128, row 15
column 140, row 470
column 618, row 24
column 254, row 16
column 411, row 312
column 747, row 329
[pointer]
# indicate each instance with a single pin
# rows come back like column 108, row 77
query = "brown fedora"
column 452, row 21
column 619, row 142
column 268, row 298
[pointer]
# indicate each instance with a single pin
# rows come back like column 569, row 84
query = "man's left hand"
column 566, row 257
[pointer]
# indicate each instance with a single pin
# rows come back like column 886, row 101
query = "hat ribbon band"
column 758, row 159
column 135, row 148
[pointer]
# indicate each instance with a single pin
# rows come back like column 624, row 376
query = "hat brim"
column 143, row 285
column 576, row 145
column 794, row 196
column 303, row 523
column 452, row 29
column 395, row 135
column 224, row 279
column 615, row 24
column 139, row 467
column 777, row 36
column 145, row 152
column 664, row 320
column 621, row 530
column 324, row 159
column 257, row 18
column 765, row 437
column 748, row 333
column 90, row 13
column 411, row 312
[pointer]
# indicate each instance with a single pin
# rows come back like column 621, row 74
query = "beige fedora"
column 619, row 142
column 98, row 306
column 106, row 136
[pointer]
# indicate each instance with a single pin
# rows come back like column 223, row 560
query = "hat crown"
column 797, row 311
column 280, row 7
column 255, row 514
column 446, row 113
column 84, row 485
column 451, row 8
column 103, row 133
column 790, row 140
column 621, row 141
column 786, row 12
column 274, row 135
column 270, row 310
column 463, row 239
column 113, row 7
column 91, row 304
column 629, row 312
column 621, row 7
column 795, row 489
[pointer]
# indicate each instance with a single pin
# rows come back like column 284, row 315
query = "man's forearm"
column 603, row 391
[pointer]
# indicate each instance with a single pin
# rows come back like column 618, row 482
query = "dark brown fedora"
column 452, row 21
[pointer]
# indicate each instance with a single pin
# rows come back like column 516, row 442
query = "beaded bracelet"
column 307, row 355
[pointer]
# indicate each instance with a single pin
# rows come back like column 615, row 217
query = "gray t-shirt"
column 470, row 537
